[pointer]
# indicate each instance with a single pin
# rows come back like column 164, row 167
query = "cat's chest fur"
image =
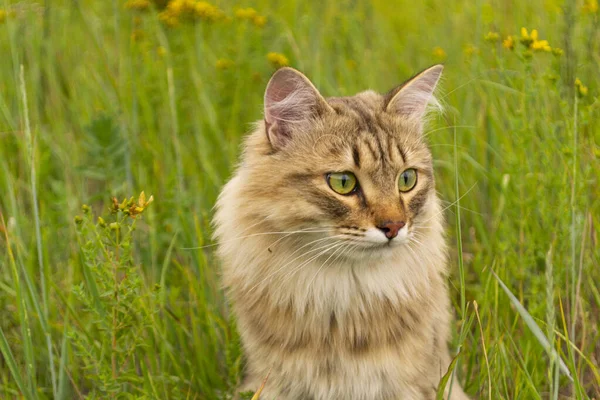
column 348, row 331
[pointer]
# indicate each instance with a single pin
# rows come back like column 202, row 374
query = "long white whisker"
column 307, row 230
column 445, row 208
column 288, row 263
column 288, row 235
column 325, row 262
column 298, row 268
column 448, row 127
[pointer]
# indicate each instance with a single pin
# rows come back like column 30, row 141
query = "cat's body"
column 338, row 296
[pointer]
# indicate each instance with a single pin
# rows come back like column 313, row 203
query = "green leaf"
column 445, row 378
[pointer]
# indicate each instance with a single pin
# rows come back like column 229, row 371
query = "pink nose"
column 391, row 228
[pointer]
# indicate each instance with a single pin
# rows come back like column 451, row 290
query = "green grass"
column 97, row 100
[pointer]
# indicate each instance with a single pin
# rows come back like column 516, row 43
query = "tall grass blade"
column 535, row 329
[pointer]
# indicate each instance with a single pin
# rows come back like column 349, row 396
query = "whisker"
column 306, row 262
column 448, row 127
column 451, row 204
column 288, row 235
column 307, row 230
column 288, row 263
column 459, row 87
column 325, row 262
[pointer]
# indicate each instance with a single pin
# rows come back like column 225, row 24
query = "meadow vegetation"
column 107, row 296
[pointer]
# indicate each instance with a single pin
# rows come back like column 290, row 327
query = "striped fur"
column 326, row 303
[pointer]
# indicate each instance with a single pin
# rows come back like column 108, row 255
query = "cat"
column 331, row 239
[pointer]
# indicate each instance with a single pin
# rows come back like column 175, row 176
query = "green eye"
column 407, row 180
column 342, row 182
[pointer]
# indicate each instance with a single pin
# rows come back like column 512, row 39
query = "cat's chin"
column 377, row 251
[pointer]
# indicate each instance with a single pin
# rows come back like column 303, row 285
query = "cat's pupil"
column 405, row 178
column 344, row 180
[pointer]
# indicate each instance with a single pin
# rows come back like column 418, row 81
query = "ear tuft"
column 415, row 96
column 291, row 101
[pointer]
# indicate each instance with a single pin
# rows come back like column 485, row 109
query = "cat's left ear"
column 415, row 96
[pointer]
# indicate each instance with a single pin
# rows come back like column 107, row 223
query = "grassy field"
column 112, row 98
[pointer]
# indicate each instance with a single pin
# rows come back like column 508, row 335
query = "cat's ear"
column 415, row 96
column 291, row 102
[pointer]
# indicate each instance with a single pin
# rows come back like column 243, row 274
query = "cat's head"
column 354, row 169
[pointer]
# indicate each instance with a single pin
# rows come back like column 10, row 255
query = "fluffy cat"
column 331, row 238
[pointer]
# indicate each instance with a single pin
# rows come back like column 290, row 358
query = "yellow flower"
column 531, row 41
column 190, row 10
column 439, row 53
column 168, row 18
column 246, row 13
column 541, row 45
column 590, row 6
column 3, row 15
column 224, row 63
column 492, row 37
column 526, row 40
column 259, row 20
column 509, row 43
column 137, row 5
column 208, row 11
column 534, row 35
column 278, row 60
column 582, row 90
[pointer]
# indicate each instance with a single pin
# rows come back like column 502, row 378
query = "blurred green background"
column 111, row 98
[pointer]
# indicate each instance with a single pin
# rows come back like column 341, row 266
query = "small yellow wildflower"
column 439, row 53
column 208, row 11
column 526, row 40
column 541, row 45
column 492, row 37
column 246, row 13
column 224, row 63
column 169, row 18
column 278, row 60
column 259, row 20
column 532, row 41
column 190, row 10
column 509, row 43
column 582, row 90
column 137, row 5
column 590, row 6
column 534, row 35
column 3, row 15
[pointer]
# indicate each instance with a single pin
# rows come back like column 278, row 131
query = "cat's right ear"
column 291, row 102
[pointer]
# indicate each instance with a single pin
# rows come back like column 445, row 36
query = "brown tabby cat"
column 331, row 237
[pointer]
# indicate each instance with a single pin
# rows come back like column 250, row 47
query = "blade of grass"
column 25, row 327
column 485, row 355
column 38, row 232
column 12, row 365
column 533, row 326
column 261, row 388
